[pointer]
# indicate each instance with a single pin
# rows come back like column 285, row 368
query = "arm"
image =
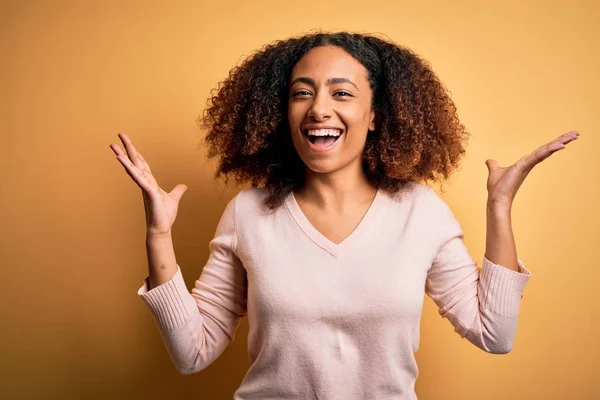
column 161, row 259
column 197, row 327
column 499, row 240
column 482, row 304
column 502, row 186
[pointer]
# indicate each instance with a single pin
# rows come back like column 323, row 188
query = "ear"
column 372, row 121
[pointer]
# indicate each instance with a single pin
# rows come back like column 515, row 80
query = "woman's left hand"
column 503, row 182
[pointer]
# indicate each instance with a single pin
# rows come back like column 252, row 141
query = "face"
column 329, row 109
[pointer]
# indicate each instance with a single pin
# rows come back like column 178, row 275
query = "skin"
column 502, row 186
column 337, row 193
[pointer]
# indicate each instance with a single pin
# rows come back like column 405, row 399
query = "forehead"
column 329, row 61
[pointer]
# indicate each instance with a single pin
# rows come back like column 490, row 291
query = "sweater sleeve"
column 196, row 327
column 481, row 304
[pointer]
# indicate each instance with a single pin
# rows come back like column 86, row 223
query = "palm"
column 161, row 216
column 161, row 207
column 504, row 182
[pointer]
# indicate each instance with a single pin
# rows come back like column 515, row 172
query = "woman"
column 330, row 253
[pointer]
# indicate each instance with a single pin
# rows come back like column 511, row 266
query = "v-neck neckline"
column 335, row 249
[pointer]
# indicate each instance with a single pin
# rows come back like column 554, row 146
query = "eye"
column 301, row 93
column 346, row 94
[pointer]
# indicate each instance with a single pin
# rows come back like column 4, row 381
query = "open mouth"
column 323, row 138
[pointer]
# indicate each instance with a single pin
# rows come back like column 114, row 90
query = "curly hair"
column 418, row 135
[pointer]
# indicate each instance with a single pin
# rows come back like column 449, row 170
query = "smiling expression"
column 329, row 109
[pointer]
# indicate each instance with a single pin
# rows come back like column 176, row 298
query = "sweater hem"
column 171, row 302
column 502, row 287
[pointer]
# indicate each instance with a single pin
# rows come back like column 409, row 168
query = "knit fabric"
column 334, row 321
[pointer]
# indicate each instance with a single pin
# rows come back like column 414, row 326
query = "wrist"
column 498, row 207
column 150, row 236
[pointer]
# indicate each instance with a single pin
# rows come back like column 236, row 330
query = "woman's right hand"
column 160, row 206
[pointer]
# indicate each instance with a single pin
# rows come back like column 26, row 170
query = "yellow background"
column 73, row 74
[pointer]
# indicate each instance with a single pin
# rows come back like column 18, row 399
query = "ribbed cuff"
column 171, row 303
column 502, row 288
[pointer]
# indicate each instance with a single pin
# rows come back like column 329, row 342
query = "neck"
column 337, row 190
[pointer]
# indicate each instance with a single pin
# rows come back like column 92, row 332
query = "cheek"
column 357, row 124
column 295, row 114
column 356, row 121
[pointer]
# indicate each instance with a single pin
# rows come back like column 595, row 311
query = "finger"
column 144, row 163
column 571, row 134
column 178, row 191
column 130, row 149
column 540, row 155
column 141, row 161
column 564, row 139
column 569, row 137
column 116, row 149
column 559, row 144
column 545, row 151
column 134, row 172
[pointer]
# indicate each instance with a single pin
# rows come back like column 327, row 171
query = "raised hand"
column 160, row 206
column 504, row 182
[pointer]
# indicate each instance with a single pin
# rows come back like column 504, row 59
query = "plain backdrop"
column 72, row 228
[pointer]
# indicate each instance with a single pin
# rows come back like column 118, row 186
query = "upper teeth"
column 324, row 132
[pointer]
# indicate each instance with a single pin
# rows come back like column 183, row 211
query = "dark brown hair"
column 418, row 135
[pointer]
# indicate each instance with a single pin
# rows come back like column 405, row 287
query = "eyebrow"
column 330, row 81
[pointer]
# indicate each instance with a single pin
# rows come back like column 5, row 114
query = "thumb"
column 178, row 191
column 491, row 164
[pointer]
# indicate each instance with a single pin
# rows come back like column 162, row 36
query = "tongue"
column 324, row 141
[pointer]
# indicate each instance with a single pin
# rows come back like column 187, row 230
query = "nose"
column 320, row 108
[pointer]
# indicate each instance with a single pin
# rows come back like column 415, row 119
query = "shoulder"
column 426, row 196
column 245, row 209
column 250, row 202
column 251, row 196
column 437, row 212
column 413, row 193
column 420, row 201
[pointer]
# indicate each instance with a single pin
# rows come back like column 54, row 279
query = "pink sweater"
column 334, row 321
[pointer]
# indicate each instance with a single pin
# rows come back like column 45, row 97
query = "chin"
column 321, row 167
column 327, row 166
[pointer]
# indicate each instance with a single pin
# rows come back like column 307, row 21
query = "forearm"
column 500, row 243
column 161, row 259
